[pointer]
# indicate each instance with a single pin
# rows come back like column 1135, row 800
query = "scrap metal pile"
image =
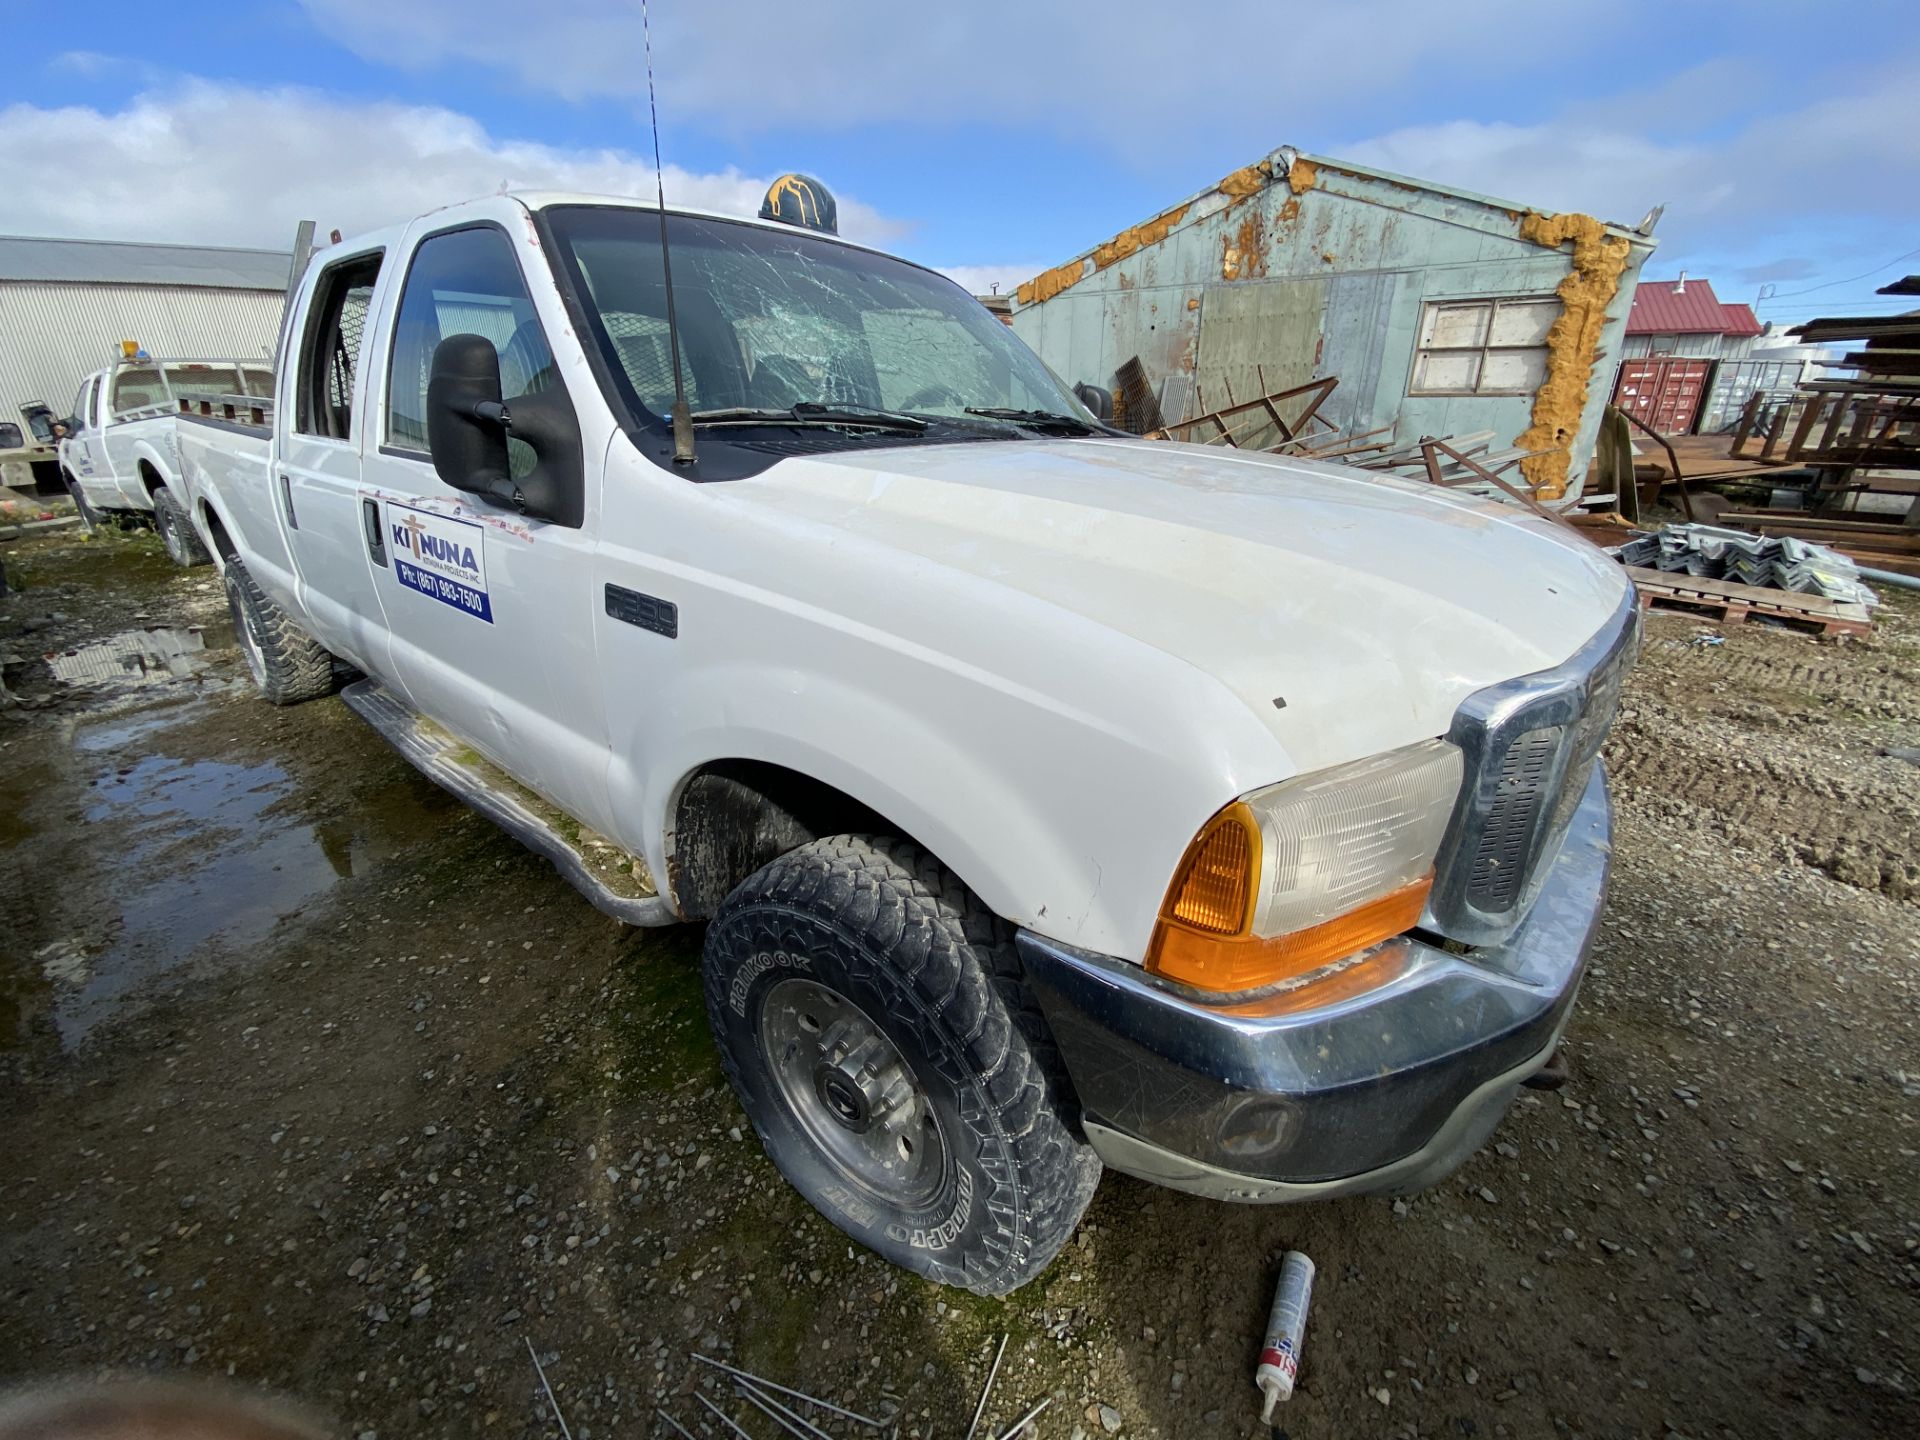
column 1709, row 552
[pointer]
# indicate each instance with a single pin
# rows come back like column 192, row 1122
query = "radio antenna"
column 682, row 417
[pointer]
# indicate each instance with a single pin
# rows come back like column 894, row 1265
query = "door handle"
column 370, row 523
column 286, row 498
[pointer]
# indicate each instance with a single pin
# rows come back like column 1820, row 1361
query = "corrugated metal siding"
column 1663, row 391
column 119, row 262
column 1372, row 251
column 1661, row 308
column 56, row 333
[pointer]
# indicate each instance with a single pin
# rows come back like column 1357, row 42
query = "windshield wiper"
column 1038, row 418
column 809, row 412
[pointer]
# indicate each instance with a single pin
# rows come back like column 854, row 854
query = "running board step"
column 618, row 884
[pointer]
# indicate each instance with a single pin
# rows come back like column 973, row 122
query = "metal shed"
column 1439, row 311
column 65, row 306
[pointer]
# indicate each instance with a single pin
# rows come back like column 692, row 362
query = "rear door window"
column 330, row 350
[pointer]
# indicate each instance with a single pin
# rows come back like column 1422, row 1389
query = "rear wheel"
column 287, row 664
column 872, row 1018
column 176, row 530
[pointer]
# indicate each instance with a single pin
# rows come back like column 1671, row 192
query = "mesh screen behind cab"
column 641, row 343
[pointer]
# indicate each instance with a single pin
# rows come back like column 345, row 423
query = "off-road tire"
column 183, row 542
column 883, row 924
column 287, row 664
column 90, row 518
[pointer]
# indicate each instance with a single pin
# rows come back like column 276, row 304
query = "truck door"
column 82, row 450
column 491, row 612
column 316, row 469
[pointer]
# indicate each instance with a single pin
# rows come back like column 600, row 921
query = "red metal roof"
column 1664, row 307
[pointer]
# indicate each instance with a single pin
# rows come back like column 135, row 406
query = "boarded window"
column 1483, row 347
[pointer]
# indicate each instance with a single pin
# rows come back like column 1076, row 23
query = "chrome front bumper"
column 1389, row 1090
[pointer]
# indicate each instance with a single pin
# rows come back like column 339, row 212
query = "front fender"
column 1065, row 826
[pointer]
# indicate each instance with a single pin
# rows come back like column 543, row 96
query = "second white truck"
column 120, row 455
column 1053, row 799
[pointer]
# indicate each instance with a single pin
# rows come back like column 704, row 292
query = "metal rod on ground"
column 1026, row 1419
column 981, row 1408
column 677, row 1425
column 541, row 1371
column 766, row 1384
column 793, row 1424
column 725, row 1419
column 1889, row 577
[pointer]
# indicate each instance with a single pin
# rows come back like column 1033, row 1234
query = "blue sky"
column 993, row 141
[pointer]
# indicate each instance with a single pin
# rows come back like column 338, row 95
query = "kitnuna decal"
column 440, row 557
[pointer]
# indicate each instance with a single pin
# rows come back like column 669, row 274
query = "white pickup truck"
column 1053, row 798
column 120, row 453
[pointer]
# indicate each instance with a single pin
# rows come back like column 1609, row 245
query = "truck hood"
column 1350, row 612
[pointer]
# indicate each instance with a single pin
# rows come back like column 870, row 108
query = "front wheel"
column 287, row 664
column 873, row 1021
column 176, row 531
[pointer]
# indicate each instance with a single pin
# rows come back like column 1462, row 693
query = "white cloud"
column 1843, row 162
column 980, row 279
column 1134, row 76
column 229, row 165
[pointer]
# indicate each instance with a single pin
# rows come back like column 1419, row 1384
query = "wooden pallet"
column 1730, row 603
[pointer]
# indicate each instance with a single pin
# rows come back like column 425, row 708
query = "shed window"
column 1483, row 347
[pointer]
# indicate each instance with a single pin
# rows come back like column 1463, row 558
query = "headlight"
column 1308, row 871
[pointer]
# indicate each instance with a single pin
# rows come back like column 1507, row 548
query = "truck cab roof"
column 533, row 201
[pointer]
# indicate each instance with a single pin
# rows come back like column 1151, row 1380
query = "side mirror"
column 1099, row 401
column 466, row 423
column 469, row 429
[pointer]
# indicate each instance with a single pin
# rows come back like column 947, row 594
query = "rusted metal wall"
column 1338, row 261
column 56, row 332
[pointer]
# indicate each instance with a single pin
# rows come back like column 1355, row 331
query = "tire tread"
column 297, row 666
column 890, row 894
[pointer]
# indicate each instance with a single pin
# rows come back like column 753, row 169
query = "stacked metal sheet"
column 1783, row 563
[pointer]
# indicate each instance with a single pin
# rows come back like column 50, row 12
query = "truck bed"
column 225, row 464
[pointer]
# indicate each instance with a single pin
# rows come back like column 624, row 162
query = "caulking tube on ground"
column 1286, row 1331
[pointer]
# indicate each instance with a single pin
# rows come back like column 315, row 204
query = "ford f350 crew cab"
column 1053, row 798
column 120, row 455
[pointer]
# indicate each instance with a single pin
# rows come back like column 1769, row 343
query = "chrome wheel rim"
column 852, row 1092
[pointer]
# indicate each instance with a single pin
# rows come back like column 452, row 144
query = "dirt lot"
column 315, row 1080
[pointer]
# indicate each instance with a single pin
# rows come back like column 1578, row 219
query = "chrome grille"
column 1530, row 746
column 1499, row 860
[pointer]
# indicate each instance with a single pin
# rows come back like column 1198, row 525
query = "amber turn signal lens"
column 1246, row 962
column 1212, row 891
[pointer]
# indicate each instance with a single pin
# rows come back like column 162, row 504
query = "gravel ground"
column 315, row 1080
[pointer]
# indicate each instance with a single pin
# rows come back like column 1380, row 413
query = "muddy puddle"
column 181, row 842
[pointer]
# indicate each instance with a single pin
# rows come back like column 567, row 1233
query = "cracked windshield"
column 769, row 321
